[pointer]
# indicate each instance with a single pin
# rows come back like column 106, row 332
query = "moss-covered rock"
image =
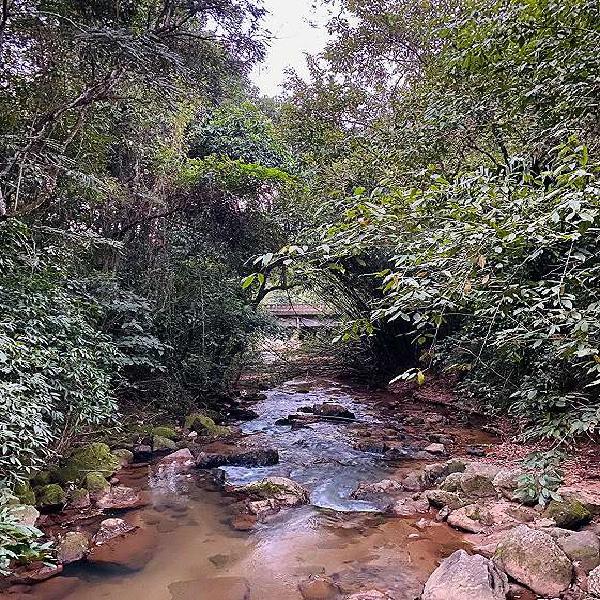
column 96, row 483
column 204, row 425
column 568, row 513
column 165, row 432
column 125, row 456
column 95, row 457
column 24, row 492
column 162, row 444
column 51, row 496
column 79, row 498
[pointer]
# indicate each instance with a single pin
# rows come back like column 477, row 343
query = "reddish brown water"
column 185, row 549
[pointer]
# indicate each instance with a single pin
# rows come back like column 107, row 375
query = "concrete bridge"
column 301, row 316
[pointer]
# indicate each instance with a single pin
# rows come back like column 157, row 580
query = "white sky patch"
column 290, row 23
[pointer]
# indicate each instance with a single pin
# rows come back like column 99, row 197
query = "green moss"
column 125, row 456
column 161, row 443
column 51, row 495
column 568, row 513
column 41, row 478
column 25, row 493
column 96, row 482
column 79, row 494
column 204, row 425
column 95, row 457
column 165, row 432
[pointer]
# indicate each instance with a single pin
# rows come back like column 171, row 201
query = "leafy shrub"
column 55, row 366
column 541, row 484
column 19, row 543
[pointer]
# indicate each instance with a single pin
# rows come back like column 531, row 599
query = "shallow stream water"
column 186, row 550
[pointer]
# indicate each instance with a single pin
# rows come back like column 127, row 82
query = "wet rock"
column 94, row 457
column 582, row 547
column 244, row 522
column 71, row 547
column 239, row 413
column 331, row 409
column 36, row 572
column 181, row 459
column 119, row 497
column 51, row 497
column 232, row 456
column 436, row 449
column 280, row 492
column 25, row 514
column 142, row 453
column 79, row 498
column 371, row 491
column 533, row 558
column 408, row 507
column 112, row 528
column 569, row 514
column 319, row 588
column 464, row 577
column 441, row 498
column 124, row 456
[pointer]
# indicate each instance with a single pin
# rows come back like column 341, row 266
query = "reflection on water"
column 185, row 550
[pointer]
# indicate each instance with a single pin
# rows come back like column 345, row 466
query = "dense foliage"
column 138, row 174
column 453, row 149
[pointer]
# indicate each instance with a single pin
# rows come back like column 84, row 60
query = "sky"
column 289, row 22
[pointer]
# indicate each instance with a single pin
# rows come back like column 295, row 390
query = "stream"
column 186, row 550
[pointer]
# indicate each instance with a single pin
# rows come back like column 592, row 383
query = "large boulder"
column 582, row 547
column 464, row 577
column 408, row 507
column 476, row 485
column 569, row 514
column 506, row 481
column 535, row 559
column 163, row 444
column 369, row 595
column 94, row 457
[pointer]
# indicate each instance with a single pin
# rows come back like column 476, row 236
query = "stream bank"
column 201, row 534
